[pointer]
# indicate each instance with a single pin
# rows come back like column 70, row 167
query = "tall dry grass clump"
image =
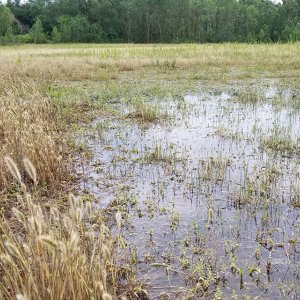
column 29, row 128
column 49, row 254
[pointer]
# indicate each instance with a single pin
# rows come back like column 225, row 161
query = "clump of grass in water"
column 158, row 154
column 53, row 254
column 295, row 103
column 248, row 97
column 144, row 112
column 281, row 141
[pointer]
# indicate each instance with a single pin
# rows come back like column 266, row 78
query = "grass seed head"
column 13, row 168
column 30, row 169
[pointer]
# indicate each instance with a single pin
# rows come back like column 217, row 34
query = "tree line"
column 145, row 21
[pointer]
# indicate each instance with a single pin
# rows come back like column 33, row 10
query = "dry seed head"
column 39, row 213
column 90, row 235
column 23, row 187
column 29, row 200
column 63, row 248
column 13, row 168
column 210, row 215
column 119, row 218
column 47, row 240
column 19, row 215
column 106, row 296
column 99, row 284
column 74, row 240
column 13, row 250
column 26, row 248
column 6, row 259
column 80, row 203
column 89, row 209
column 81, row 260
column 36, row 225
column 30, row 169
column 21, row 297
column 104, row 231
column 78, row 215
column 68, row 224
column 73, row 200
column 20, row 199
column 54, row 213
column 106, row 252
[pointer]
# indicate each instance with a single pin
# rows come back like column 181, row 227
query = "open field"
column 186, row 158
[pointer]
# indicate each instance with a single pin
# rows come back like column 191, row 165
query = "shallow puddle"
column 209, row 200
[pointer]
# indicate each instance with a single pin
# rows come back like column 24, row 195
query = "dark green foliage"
column 144, row 21
column 55, row 35
column 5, row 21
column 78, row 29
column 37, row 32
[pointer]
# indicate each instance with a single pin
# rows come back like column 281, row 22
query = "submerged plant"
column 281, row 141
column 144, row 112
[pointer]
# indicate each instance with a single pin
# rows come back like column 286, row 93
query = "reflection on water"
column 210, row 207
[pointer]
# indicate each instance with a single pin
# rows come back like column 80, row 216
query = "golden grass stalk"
column 12, row 167
column 48, row 258
column 29, row 128
column 30, row 169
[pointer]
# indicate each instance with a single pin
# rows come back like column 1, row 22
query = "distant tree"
column 291, row 32
column 55, row 35
column 37, row 32
column 5, row 21
column 263, row 35
column 78, row 29
column 146, row 21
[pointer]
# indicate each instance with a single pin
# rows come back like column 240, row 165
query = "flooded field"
column 144, row 172
column 208, row 185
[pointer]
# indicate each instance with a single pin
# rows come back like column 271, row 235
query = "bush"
column 22, row 39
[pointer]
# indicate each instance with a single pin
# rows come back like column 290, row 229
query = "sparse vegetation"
column 144, row 112
column 280, row 140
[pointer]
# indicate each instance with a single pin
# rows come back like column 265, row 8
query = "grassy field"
column 60, row 104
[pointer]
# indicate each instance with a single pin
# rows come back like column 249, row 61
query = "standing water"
column 209, row 195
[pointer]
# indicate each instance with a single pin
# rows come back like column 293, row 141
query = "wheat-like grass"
column 29, row 128
column 54, row 254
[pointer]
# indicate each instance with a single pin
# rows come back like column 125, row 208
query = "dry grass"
column 29, row 128
column 44, row 253
column 48, row 254
column 79, row 62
